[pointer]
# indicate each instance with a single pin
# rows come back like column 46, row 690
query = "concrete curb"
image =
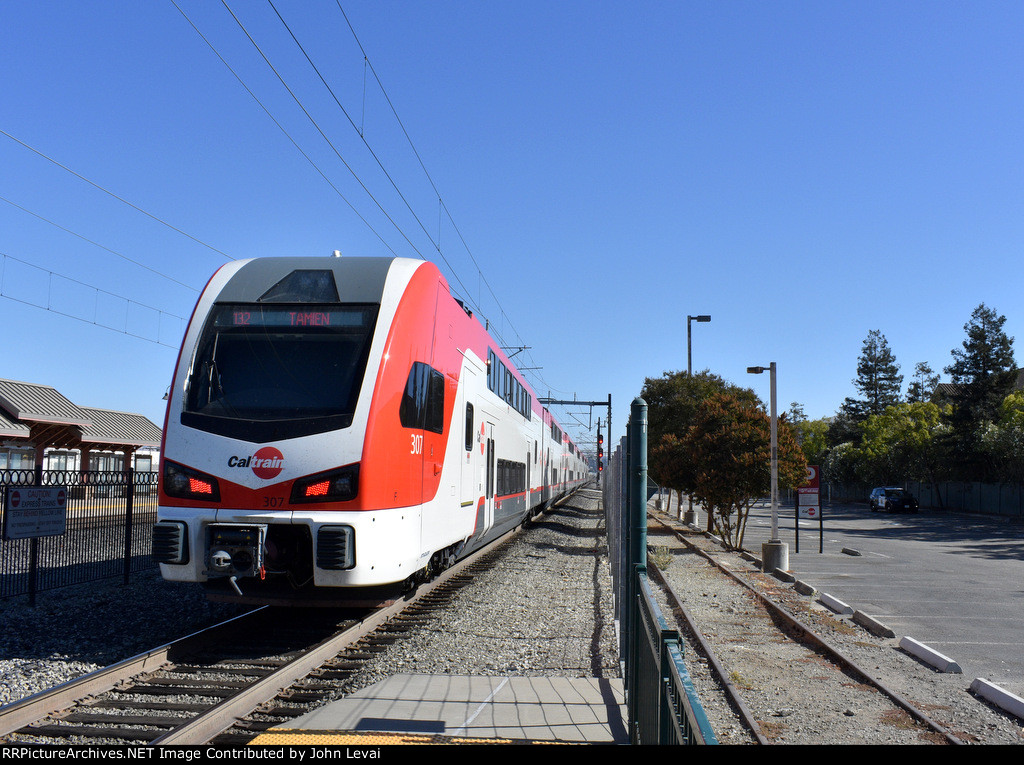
column 850, row 551
column 872, row 625
column 1003, row 699
column 835, row 604
column 930, row 655
column 803, row 588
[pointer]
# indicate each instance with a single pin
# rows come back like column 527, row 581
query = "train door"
column 473, row 446
column 529, row 486
column 491, row 475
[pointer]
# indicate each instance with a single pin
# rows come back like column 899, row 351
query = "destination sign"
column 336, row 317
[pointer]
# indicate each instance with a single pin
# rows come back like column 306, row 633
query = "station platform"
column 452, row 709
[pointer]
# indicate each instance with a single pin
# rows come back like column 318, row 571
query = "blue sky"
column 805, row 172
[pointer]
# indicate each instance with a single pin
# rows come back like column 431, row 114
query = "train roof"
column 308, row 280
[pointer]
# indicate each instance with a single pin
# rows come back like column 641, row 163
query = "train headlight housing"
column 185, row 483
column 339, row 485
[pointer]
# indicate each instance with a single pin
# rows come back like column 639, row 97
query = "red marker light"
column 318, row 489
column 197, row 486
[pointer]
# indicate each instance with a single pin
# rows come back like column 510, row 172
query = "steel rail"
column 813, row 637
column 32, row 708
column 716, row 666
column 220, row 717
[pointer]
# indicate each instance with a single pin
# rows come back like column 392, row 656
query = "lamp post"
column 690, row 516
column 775, row 552
column 689, row 340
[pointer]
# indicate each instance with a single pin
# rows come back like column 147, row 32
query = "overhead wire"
column 323, row 135
column 115, row 196
column 442, row 206
column 97, row 244
column 280, row 127
column 129, row 302
column 433, row 185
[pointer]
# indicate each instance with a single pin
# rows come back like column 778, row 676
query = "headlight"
column 186, row 483
column 339, row 485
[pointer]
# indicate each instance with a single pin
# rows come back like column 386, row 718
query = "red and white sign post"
column 808, row 505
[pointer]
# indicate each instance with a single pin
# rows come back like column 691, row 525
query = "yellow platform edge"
column 289, row 737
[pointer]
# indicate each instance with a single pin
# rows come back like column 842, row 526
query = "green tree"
column 878, row 380
column 812, row 437
column 841, row 464
column 1002, row 441
column 730, row 441
column 924, row 382
column 983, row 369
column 673, row 401
column 902, row 443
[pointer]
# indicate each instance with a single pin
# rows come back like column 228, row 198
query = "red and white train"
column 340, row 427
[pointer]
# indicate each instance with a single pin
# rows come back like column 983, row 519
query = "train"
column 340, row 429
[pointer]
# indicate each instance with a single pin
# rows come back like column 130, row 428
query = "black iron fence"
column 107, row 531
column 662, row 705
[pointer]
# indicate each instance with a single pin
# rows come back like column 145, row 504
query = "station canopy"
column 40, row 417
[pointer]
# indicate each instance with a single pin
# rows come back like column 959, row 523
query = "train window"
column 435, row 403
column 511, row 478
column 469, row 427
column 266, row 372
column 422, row 404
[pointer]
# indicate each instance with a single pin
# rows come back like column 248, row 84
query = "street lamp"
column 689, row 342
column 775, row 552
column 690, row 517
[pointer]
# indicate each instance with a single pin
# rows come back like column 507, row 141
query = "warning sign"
column 35, row 511
column 808, row 503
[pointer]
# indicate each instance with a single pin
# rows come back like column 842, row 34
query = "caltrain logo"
column 266, row 463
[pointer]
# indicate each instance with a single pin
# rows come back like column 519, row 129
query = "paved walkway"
column 448, row 709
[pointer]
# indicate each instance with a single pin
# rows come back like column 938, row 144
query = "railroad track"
column 228, row 683
column 784, row 627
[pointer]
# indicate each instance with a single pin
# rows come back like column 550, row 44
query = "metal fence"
column 108, row 529
column 662, row 706
column 1003, row 499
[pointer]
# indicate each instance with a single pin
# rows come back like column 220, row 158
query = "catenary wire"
column 97, row 244
column 281, row 127
column 115, row 196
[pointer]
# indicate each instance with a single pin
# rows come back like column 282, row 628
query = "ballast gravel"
column 546, row 609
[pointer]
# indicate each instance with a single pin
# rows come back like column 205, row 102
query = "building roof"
column 42, row 416
column 10, row 427
column 30, row 402
column 120, row 428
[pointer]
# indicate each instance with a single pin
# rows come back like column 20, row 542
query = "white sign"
column 35, row 511
column 810, row 507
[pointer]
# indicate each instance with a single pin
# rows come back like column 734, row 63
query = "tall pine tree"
column 878, row 380
column 983, row 369
column 924, row 383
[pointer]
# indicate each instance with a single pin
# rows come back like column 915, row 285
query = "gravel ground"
column 74, row 630
column 546, row 610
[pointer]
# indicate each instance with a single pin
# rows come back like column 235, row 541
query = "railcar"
column 341, row 428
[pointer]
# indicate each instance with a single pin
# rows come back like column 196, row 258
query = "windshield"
column 894, row 493
column 262, row 372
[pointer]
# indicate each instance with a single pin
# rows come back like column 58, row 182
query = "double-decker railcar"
column 339, row 428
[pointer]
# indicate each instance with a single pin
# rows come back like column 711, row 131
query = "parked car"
column 892, row 499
